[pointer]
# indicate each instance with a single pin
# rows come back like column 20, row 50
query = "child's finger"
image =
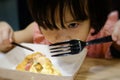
column 11, row 36
column 112, row 18
column 5, row 35
column 111, row 21
column 116, row 32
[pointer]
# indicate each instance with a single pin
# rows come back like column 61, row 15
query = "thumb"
column 112, row 19
column 11, row 35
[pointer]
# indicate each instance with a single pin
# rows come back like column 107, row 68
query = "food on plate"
column 38, row 63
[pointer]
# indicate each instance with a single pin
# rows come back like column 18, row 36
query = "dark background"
column 116, row 5
column 9, row 13
column 24, row 15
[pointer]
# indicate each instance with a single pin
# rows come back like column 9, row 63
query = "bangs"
column 44, row 11
column 79, row 9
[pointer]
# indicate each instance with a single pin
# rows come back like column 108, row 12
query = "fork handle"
column 99, row 40
column 25, row 47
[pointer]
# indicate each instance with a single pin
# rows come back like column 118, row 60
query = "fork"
column 22, row 46
column 74, row 46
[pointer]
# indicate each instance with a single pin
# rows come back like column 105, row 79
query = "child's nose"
column 62, row 37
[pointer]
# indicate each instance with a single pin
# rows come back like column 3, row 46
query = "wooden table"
column 99, row 69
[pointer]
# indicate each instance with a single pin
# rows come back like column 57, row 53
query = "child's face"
column 74, row 30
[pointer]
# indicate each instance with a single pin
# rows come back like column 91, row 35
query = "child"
column 60, row 20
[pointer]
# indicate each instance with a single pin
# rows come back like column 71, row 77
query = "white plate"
column 68, row 65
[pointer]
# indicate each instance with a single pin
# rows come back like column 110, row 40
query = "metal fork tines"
column 65, row 48
column 75, row 46
column 60, row 49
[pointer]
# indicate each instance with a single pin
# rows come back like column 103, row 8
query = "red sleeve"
column 103, row 50
column 38, row 37
column 99, row 50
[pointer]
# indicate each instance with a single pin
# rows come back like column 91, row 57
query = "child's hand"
column 115, row 24
column 6, row 36
column 116, row 33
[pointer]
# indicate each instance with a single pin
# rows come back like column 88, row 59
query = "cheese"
column 38, row 63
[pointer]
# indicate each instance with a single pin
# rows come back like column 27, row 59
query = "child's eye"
column 73, row 25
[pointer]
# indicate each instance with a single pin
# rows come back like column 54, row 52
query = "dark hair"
column 43, row 12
